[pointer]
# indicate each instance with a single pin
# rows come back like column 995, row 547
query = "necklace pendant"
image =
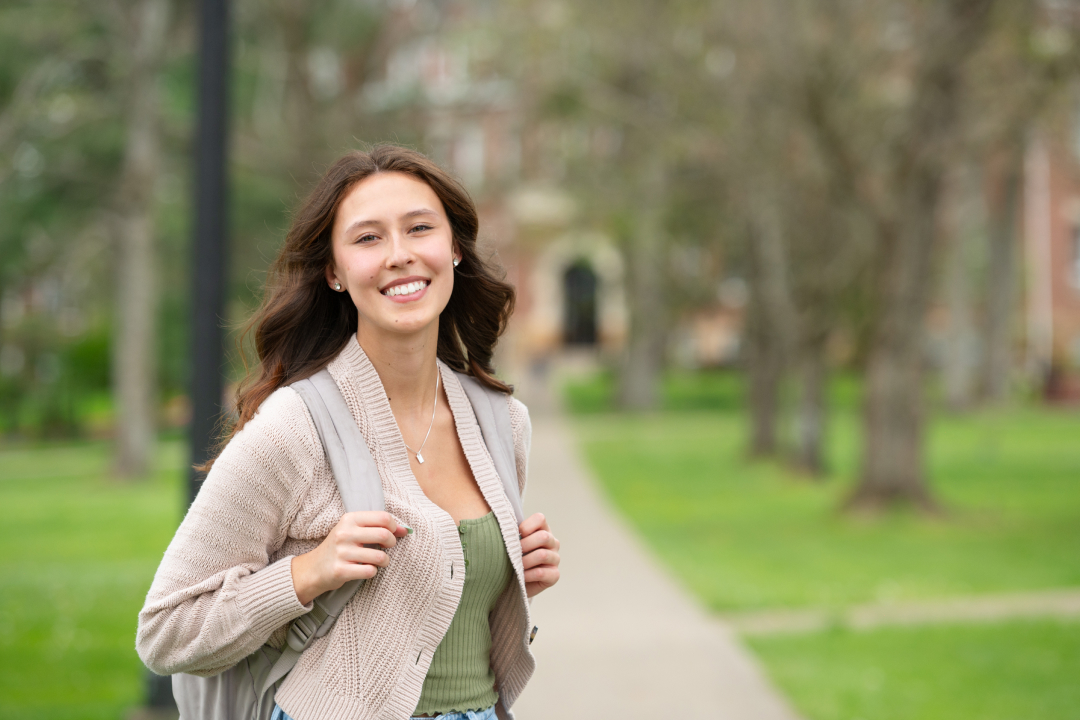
column 419, row 458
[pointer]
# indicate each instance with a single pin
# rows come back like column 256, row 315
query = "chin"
column 405, row 325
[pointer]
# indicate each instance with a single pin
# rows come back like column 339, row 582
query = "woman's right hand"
column 342, row 557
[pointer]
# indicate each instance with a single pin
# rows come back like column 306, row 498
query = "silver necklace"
column 419, row 457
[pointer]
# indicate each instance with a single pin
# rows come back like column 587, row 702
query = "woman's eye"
column 366, row 238
column 420, row 228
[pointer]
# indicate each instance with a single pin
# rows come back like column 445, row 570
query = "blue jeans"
column 488, row 714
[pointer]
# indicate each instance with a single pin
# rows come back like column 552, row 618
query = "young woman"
column 379, row 281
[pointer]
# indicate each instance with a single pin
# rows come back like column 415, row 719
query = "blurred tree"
column 301, row 66
column 1018, row 79
column 893, row 152
column 60, row 147
column 770, row 322
column 141, row 26
column 758, row 165
column 614, row 89
column 804, row 250
column 847, row 121
column 964, row 227
column 1023, row 77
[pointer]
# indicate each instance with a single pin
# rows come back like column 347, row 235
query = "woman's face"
column 393, row 253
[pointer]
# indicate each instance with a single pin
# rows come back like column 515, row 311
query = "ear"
column 331, row 277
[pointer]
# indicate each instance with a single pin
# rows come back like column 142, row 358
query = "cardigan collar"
column 357, row 369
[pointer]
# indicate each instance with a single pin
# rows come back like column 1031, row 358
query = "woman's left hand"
column 539, row 554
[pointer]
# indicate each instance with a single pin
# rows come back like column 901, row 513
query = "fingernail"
column 408, row 530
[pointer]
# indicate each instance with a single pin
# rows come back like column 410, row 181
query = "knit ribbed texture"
column 225, row 585
column 460, row 677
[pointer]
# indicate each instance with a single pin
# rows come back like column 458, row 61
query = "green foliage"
column 990, row 672
column 564, row 101
column 60, row 377
column 77, row 553
column 61, row 144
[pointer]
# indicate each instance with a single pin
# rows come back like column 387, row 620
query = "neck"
column 406, row 366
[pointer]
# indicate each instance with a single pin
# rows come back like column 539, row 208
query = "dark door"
column 579, row 289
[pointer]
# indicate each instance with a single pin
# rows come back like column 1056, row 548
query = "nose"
column 398, row 252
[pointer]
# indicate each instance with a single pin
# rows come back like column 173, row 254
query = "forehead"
column 384, row 198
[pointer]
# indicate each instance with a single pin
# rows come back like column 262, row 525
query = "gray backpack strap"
column 354, row 469
column 493, row 415
column 360, row 486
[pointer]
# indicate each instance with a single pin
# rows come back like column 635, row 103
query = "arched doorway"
column 579, row 293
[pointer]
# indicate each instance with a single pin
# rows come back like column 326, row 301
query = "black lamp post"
column 211, row 230
column 208, row 260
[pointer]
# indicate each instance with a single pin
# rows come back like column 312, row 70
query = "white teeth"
column 407, row 289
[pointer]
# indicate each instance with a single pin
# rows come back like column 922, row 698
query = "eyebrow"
column 411, row 214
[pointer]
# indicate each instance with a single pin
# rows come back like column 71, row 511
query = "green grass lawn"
column 750, row 535
column 745, row 535
column 1011, row 671
column 77, row 554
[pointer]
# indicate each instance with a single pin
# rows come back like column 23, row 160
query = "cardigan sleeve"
column 216, row 598
column 522, row 429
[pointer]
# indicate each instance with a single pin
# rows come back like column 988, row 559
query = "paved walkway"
column 1063, row 603
column 618, row 639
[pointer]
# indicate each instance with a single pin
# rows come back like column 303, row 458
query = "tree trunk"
column 134, row 373
column 811, row 417
column 965, row 229
column 765, row 371
column 308, row 150
column 892, row 468
column 639, row 381
column 770, row 325
column 1001, row 280
column 894, row 409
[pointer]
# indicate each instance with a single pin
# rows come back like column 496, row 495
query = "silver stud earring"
column 337, row 286
column 456, row 261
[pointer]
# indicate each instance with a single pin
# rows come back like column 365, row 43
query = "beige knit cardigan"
column 225, row 585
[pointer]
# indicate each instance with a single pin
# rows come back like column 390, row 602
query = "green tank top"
column 460, row 677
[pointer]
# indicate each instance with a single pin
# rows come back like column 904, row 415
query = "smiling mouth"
column 406, row 288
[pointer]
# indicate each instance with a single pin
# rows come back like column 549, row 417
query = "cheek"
column 441, row 256
column 359, row 270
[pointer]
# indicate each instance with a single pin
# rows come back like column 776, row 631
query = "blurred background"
column 801, row 278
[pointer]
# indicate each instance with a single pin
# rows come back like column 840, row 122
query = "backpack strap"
column 360, row 486
column 493, row 415
column 353, row 467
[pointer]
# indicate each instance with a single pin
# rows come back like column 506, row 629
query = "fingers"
column 377, row 518
column 354, row 571
column 353, row 559
column 540, row 554
column 540, row 557
column 532, row 523
column 368, row 536
column 363, row 556
column 541, row 577
column 539, row 539
column 371, row 528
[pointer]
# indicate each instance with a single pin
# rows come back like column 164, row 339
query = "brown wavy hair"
column 302, row 324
